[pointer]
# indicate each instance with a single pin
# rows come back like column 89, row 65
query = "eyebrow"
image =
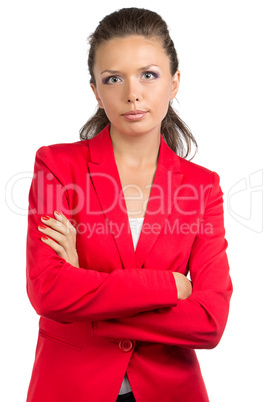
column 142, row 68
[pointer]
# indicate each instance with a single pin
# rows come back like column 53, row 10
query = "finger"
column 65, row 221
column 54, row 224
column 55, row 246
column 54, row 234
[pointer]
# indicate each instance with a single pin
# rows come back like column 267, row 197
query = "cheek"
column 161, row 96
column 108, row 102
column 110, row 98
column 110, row 105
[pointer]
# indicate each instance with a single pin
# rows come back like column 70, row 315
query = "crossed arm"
column 60, row 235
column 162, row 307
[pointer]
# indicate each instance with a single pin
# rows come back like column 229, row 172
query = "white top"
column 135, row 226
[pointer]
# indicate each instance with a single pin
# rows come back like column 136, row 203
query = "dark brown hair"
column 138, row 21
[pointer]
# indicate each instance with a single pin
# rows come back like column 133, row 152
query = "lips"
column 134, row 115
column 133, row 112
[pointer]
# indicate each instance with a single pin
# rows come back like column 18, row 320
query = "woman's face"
column 133, row 73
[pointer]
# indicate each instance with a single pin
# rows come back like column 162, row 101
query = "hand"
column 184, row 286
column 62, row 237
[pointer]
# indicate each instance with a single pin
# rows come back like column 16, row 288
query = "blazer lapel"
column 106, row 181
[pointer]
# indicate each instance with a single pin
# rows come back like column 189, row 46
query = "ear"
column 94, row 89
column 175, row 85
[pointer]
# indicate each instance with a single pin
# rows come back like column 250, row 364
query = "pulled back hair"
column 138, row 21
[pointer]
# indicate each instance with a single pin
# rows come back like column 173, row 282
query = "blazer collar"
column 107, row 184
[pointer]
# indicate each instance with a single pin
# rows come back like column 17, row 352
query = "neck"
column 136, row 150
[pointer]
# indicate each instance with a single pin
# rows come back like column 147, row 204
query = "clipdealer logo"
column 245, row 201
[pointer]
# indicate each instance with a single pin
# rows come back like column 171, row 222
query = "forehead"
column 130, row 51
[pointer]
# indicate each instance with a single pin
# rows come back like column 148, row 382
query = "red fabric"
column 119, row 294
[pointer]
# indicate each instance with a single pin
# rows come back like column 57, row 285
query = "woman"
column 119, row 318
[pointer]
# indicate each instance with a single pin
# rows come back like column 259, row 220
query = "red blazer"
column 119, row 312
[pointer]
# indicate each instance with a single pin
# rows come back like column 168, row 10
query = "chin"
column 135, row 127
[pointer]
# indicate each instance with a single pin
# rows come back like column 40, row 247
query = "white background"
column 46, row 98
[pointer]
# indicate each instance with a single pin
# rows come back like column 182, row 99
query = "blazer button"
column 126, row 345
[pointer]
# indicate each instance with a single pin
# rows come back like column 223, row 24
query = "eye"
column 113, row 79
column 149, row 75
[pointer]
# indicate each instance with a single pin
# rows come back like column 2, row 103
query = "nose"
column 132, row 91
column 129, row 100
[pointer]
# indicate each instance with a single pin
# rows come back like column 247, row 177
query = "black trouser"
column 129, row 397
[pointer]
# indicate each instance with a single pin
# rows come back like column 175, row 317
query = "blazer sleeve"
column 199, row 321
column 64, row 293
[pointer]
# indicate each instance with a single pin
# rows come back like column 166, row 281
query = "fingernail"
column 45, row 218
column 42, row 226
column 44, row 237
column 58, row 213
